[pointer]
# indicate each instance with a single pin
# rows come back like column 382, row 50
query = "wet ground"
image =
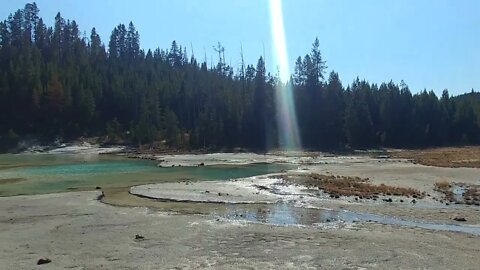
column 75, row 231
column 301, row 228
column 288, row 215
column 48, row 173
column 295, row 206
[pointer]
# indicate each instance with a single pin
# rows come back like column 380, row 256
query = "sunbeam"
column 286, row 117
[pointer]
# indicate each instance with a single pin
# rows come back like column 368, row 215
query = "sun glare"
column 287, row 121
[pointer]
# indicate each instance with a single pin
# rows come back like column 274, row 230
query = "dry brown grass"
column 445, row 187
column 442, row 185
column 443, row 157
column 470, row 196
column 351, row 186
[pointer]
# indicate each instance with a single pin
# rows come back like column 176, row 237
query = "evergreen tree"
column 55, row 83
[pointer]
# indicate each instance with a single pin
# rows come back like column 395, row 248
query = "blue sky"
column 432, row 44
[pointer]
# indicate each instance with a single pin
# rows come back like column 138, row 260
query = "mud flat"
column 260, row 222
column 242, row 191
column 296, row 158
column 188, row 160
column 76, row 231
column 276, row 189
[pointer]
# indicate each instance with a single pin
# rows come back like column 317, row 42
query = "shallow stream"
column 286, row 214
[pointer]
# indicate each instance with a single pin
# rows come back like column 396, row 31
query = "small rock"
column 460, row 219
column 414, row 201
column 139, row 237
column 401, row 200
column 388, row 200
column 43, row 261
column 206, row 191
column 219, row 194
column 201, row 164
column 97, row 187
column 101, row 196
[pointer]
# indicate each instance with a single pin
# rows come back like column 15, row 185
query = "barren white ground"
column 76, row 231
column 234, row 191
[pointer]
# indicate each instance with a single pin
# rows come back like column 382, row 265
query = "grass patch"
column 467, row 194
column 446, row 189
column 442, row 185
column 472, row 195
column 351, row 186
column 453, row 157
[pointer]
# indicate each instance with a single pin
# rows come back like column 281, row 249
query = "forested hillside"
column 57, row 83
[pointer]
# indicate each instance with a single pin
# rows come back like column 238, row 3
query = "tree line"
column 57, row 83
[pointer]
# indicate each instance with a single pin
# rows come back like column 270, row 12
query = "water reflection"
column 285, row 214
